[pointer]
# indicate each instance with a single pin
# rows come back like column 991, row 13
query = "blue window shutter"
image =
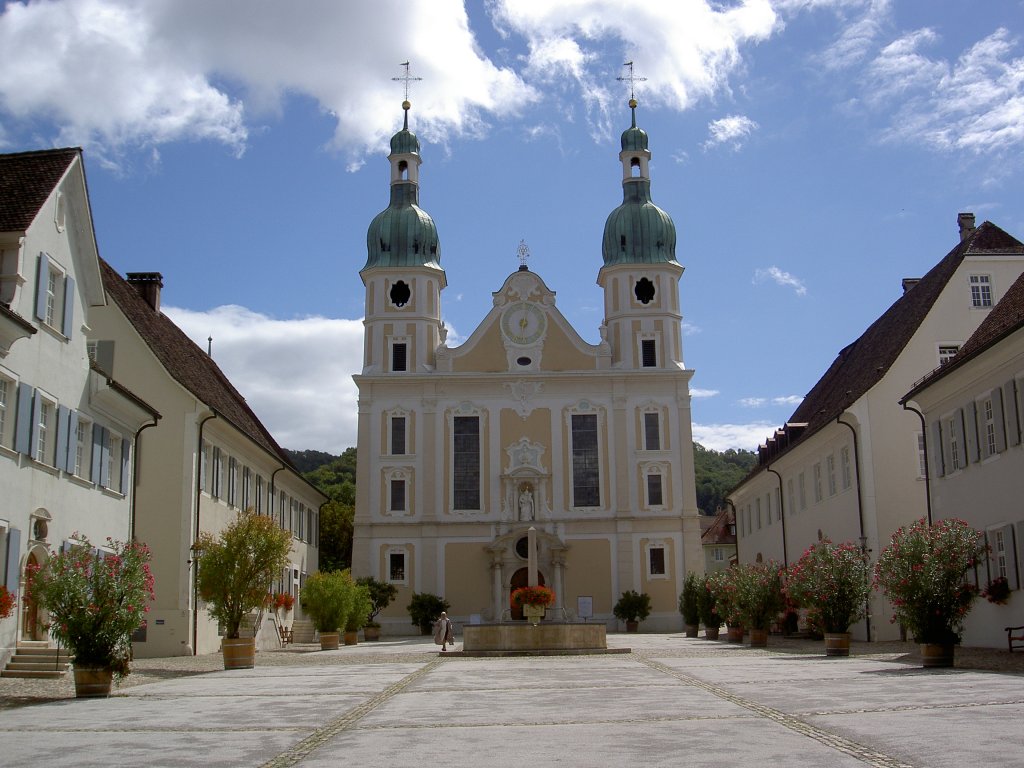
column 125, row 465
column 97, row 453
column 69, row 306
column 13, row 570
column 72, row 446
column 41, row 283
column 61, row 460
column 23, row 420
column 104, row 457
column 37, row 407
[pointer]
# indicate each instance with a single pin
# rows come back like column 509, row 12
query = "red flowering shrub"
column 997, row 591
column 756, row 592
column 923, row 573
column 831, row 582
column 543, row 597
column 7, row 603
column 284, row 601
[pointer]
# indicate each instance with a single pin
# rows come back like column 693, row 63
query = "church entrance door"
column 30, row 625
column 521, row 578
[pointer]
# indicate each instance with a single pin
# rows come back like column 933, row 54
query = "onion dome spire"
column 403, row 234
column 638, row 231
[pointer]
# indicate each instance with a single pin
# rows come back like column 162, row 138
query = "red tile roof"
column 26, row 180
column 718, row 532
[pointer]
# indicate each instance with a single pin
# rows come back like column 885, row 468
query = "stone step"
column 33, row 674
column 20, row 665
column 43, row 651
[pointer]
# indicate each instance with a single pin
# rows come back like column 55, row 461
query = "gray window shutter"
column 1012, row 413
column 72, row 446
column 104, row 458
column 990, row 568
column 23, row 420
column 97, row 454
column 937, row 448
column 125, row 465
column 37, row 407
column 958, row 424
column 105, row 356
column 12, row 573
column 61, row 454
column 1018, row 549
column 997, row 415
column 69, row 307
column 41, row 283
column 972, row 446
column 1012, row 566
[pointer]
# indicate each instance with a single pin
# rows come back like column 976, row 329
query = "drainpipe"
column 273, row 496
column 195, row 535
column 782, row 517
column 860, row 511
column 927, row 466
column 736, row 517
column 135, row 480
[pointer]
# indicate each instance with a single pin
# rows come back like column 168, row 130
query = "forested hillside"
column 718, row 473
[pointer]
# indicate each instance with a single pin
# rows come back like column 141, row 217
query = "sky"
column 812, row 153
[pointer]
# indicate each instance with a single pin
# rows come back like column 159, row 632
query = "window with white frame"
column 818, row 495
column 649, row 353
column 83, row 431
column 293, row 517
column 232, row 481
column 989, row 427
column 999, row 553
column 46, row 416
column 954, row 446
column 397, row 571
column 6, row 413
column 947, row 352
column 113, row 455
column 844, row 460
column 656, row 564
column 586, row 460
column 466, row 462
column 718, row 554
column 652, row 431
column 282, row 511
column 399, row 355
column 981, row 290
column 397, row 485
column 204, row 465
column 922, row 464
column 258, row 495
column 803, row 490
column 655, row 497
column 301, row 523
column 246, row 487
column 830, row 464
column 216, row 472
column 397, row 435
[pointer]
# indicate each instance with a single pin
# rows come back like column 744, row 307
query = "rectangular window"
column 954, row 447
column 43, row 429
column 803, row 491
column 757, row 512
column 654, row 498
column 818, row 495
column 947, row 352
column 114, row 448
column 649, row 353
column 396, row 567
column 398, row 356
column 398, row 435
column 466, row 462
column 301, row 522
column 656, row 561
column 232, row 481
column 791, row 496
column 922, row 467
column 981, row 291
column 51, row 297
column 293, row 516
column 282, row 511
column 999, row 552
column 719, row 554
column 397, row 503
column 216, row 473
column 844, row 458
column 586, row 470
column 990, row 427
column 830, row 463
column 6, row 388
column 652, row 432
column 258, row 496
column 246, row 487
column 82, row 433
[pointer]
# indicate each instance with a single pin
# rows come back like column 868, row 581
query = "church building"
column 463, row 449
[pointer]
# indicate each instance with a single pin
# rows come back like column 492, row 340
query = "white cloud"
column 857, row 39
column 733, row 130
column 700, row 393
column 689, row 329
column 753, row 402
column 120, row 74
column 296, row 375
column 788, row 400
column 721, row 437
column 782, row 278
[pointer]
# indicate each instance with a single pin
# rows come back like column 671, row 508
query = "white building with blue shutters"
column 67, row 430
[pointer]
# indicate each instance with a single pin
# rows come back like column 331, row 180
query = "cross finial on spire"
column 523, row 252
column 407, row 78
column 632, row 79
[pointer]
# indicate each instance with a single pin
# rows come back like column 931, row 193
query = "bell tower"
column 640, row 276
column 403, row 274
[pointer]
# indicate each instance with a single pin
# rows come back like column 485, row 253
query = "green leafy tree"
column 336, row 528
column 716, row 473
column 381, row 596
column 328, row 598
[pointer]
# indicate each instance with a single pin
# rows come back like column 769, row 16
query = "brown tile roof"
column 865, row 362
column 1004, row 318
column 26, row 180
column 718, row 531
column 189, row 365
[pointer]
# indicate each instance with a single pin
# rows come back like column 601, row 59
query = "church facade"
column 463, row 449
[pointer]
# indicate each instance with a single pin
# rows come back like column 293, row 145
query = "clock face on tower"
column 523, row 323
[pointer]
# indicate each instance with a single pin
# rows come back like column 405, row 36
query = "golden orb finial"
column 632, row 103
column 406, row 105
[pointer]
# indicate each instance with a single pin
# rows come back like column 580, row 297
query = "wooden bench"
column 1014, row 641
column 285, row 633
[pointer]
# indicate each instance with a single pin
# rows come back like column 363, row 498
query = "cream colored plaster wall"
column 466, row 583
column 664, row 596
column 487, row 355
column 536, row 427
column 589, row 572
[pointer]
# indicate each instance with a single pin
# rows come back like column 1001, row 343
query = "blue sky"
column 811, row 152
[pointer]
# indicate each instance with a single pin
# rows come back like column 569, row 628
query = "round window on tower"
column 400, row 294
column 644, row 290
column 523, row 548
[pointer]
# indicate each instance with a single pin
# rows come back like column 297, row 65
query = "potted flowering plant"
column 632, row 608
column 758, row 595
column 831, row 582
column 723, row 588
column 7, row 603
column 922, row 572
column 533, row 601
column 283, row 601
column 96, row 600
column 708, row 607
column 236, row 568
column 997, row 591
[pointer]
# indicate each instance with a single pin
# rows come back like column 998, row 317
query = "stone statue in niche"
column 526, row 504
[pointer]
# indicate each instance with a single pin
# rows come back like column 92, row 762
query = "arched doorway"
column 521, row 578
column 31, row 626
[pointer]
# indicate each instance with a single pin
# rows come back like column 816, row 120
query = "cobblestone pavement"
column 671, row 700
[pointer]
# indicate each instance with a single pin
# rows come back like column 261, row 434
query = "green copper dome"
column 405, row 143
column 634, row 139
column 403, row 234
column 638, row 231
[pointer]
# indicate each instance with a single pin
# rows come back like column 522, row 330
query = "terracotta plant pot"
column 239, row 652
column 329, row 641
column 937, row 655
column 837, row 643
column 758, row 638
column 710, row 633
column 632, row 626
column 735, row 634
column 692, row 629
column 351, row 638
column 371, row 634
column 93, row 682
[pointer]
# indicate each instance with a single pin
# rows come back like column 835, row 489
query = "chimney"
column 148, row 284
column 966, row 223
column 910, row 282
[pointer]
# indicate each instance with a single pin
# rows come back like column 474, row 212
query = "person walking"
column 444, row 631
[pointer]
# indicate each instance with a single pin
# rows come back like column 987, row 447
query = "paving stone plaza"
column 671, row 701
